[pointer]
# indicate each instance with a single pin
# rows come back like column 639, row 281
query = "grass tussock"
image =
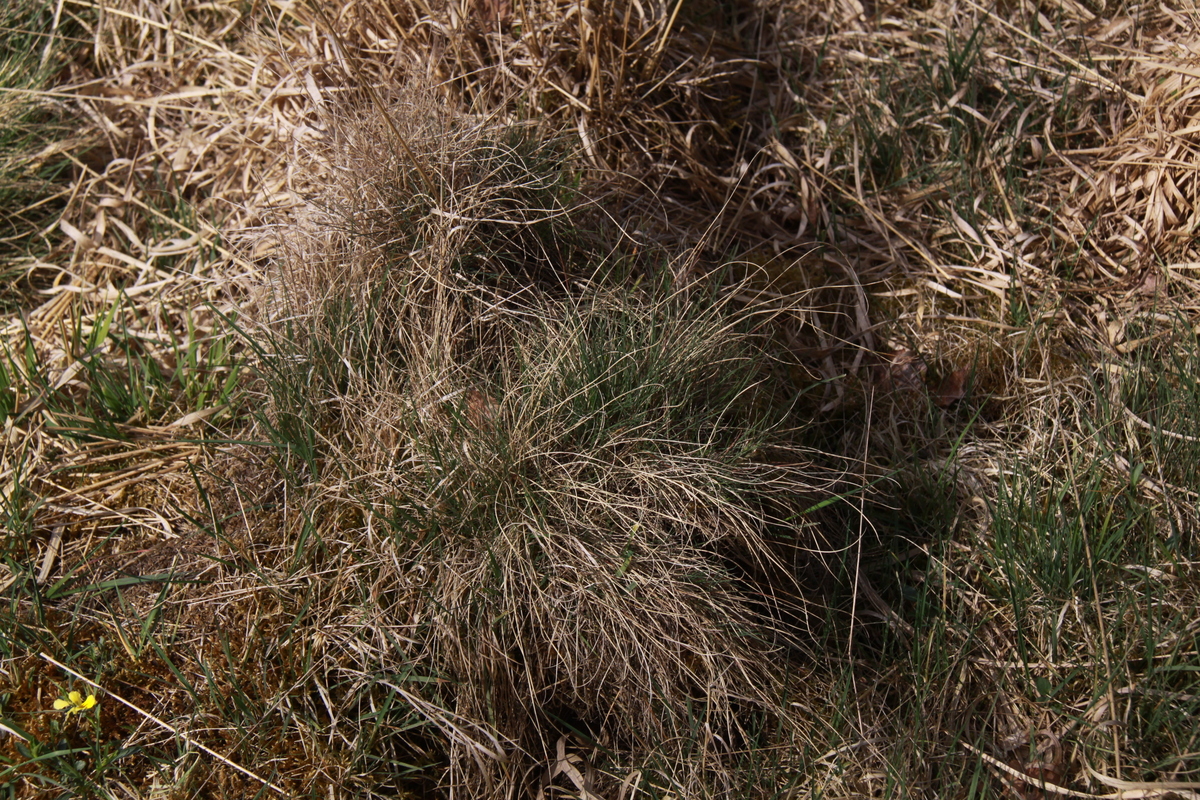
column 588, row 509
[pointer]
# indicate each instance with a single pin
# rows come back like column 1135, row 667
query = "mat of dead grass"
column 983, row 204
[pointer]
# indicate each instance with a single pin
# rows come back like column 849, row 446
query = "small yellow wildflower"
column 75, row 703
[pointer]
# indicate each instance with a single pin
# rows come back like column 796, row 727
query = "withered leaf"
column 904, row 370
column 952, row 389
column 494, row 13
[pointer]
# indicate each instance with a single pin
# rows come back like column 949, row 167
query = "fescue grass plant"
column 593, row 501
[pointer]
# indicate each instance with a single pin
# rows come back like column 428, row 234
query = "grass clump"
column 586, row 503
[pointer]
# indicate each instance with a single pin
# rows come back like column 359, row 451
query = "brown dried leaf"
column 952, row 389
column 1151, row 283
column 480, row 410
column 494, row 13
column 904, row 370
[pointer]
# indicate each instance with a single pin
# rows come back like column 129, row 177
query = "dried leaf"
column 1150, row 284
column 952, row 389
column 494, row 13
column 480, row 410
column 904, row 370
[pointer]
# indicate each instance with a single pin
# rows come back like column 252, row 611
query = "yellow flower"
column 75, row 703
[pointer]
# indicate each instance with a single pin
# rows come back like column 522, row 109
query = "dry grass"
column 509, row 500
